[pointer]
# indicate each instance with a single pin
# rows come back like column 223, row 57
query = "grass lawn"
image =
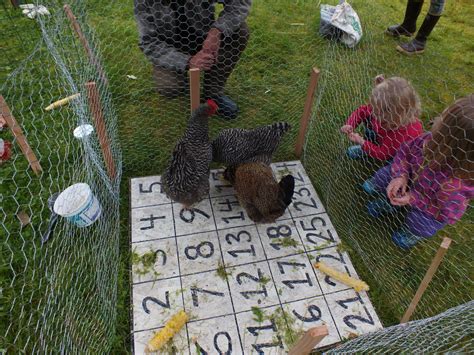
column 269, row 85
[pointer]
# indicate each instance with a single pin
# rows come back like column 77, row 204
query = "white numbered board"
column 248, row 289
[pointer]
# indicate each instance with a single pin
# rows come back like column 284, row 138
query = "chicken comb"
column 212, row 107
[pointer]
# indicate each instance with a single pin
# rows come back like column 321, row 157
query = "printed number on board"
column 291, row 283
column 148, row 299
column 305, row 194
column 316, row 224
column 340, row 258
column 204, row 250
column 276, row 339
column 259, row 279
column 188, row 215
column 242, row 236
column 222, row 343
column 150, row 221
column 280, row 232
column 228, row 206
column 351, row 319
column 149, row 189
column 194, row 294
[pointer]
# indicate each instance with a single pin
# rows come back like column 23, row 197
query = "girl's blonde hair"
column 452, row 145
column 395, row 102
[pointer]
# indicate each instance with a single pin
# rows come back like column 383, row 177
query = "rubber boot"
column 408, row 26
column 417, row 45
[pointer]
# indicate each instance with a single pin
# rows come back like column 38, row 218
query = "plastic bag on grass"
column 340, row 22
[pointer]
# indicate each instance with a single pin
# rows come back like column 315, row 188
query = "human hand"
column 397, row 187
column 356, row 138
column 201, row 60
column 212, row 42
column 347, row 129
column 401, row 200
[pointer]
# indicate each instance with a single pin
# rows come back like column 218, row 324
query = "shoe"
column 228, row 109
column 355, row 152
column 379, row 207
column 404, row 239
column 412, row 47
column 369, row 187
column 408, row 26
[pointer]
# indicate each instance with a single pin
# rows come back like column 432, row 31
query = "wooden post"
column 307, row 111
column 309, row 340
column 85, row 43
column 195, row 88
column 6, row 114
column 96, row 111
column 427, row 279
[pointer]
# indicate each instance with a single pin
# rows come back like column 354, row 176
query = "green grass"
column 269, row 84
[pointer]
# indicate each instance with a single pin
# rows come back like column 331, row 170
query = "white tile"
column 241, row 245
column 206, row 295
column 252, row 286
column 199, row 252
column 317, row 231
column 228, row 213
column 147, row 191
column 338, row 261
column 195, row 220
column 305, row 202
column 179, row 342
column 280, row 239
column 294, row 278
column 353, row 313
column 309, row 313
column 219, row 186
column 294, row 168
column 155, row 302
column 152, row 223
column 263, row 336
column 166, row 260
column 215, row 336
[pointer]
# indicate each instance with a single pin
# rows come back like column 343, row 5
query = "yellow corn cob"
column 61, row 102
column 357, row 285
column 171, row 328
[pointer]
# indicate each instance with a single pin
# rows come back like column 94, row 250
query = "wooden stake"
column 309, row 340
column 307, row 111
column 427, row 279
column 6, row 114
column 96, row 111
column 85, row 43
column 195, row 88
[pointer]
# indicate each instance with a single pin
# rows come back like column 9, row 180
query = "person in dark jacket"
column 177, row 35
column 408, row 26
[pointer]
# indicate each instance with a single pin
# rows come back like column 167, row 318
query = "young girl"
column 390, row 119
column 433, row 175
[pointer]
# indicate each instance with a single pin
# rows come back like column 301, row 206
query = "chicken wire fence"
column 63, row 295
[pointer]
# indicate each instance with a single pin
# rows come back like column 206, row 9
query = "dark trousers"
column 171, row 83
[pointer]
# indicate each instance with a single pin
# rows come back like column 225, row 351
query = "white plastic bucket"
column 78, row 205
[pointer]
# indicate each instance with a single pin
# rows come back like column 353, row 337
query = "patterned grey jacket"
column 157, row 25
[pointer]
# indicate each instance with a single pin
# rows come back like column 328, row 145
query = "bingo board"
column 248, row 288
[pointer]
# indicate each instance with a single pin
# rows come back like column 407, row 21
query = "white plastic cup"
column 78, row 205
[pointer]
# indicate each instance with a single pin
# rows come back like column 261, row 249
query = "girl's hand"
column 347, row 129
column 397, row 188
column 356, row 138
column 402, row 200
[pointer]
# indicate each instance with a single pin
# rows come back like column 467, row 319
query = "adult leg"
column 418, row 226
column 170, row 83
column 408, row 26
column 417, row 45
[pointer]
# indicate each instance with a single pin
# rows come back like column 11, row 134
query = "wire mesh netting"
column 66, row 295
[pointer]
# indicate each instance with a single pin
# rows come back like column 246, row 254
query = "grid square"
column 163, row 251
column 155, row 302
column 147, row 191
column 228, row 213
column 215, row 336
column 294, row 168
column 337, row 260
column 219, row 186
column 194, row 220
column 317, row 232
column 152, row 223
column 280, row 239
column 241, row 245
column 251, row 286
column 294, row 278
column 305, row 202
column 206, row 295
column 199, row 252
column 353, row 313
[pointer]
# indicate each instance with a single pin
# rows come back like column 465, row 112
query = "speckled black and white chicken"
column 186, row 179
column 236, row 145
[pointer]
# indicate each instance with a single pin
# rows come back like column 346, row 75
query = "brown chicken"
column 263, row 198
